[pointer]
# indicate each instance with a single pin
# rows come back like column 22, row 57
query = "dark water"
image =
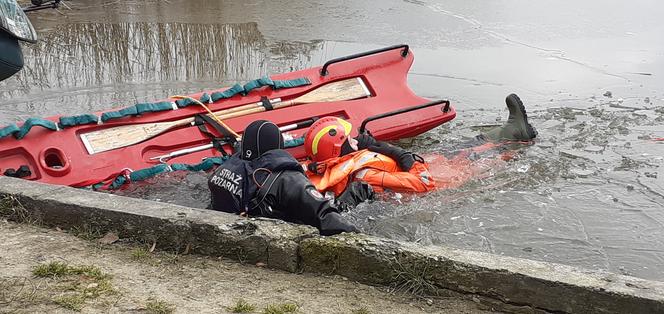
column 590, row 192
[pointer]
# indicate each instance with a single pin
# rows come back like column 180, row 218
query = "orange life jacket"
column 380, row 171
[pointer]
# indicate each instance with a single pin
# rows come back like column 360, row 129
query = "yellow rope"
column 237, row 136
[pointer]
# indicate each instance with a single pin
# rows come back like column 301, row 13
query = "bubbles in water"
column 523, row 168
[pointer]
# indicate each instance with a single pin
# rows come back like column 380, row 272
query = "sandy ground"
column 163, row 283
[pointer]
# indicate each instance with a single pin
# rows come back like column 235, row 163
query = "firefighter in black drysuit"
column 264, row 180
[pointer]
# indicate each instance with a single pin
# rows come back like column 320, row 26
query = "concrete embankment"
column 504, row 283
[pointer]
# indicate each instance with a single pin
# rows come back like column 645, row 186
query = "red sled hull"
column 60, row 157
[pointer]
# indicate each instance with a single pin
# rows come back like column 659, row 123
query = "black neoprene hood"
column 260, row 137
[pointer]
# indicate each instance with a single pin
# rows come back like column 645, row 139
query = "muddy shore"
column 144, row 281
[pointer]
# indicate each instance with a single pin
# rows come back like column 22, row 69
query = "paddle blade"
column 352, row 88
column 122, row 136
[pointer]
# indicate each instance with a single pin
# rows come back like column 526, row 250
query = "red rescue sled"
column 61, row 157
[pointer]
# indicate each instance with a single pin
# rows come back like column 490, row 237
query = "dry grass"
column 74, row 302
column 155, row 306
column 19, row 291
column 280, row 308
column 75, row 285
column 140, row 254
column 12, row 208
column 242, row 306
column 61, row 269
column 412, row 279
column 86, row 233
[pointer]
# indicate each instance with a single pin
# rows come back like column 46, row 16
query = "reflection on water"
column 95, row 66
column 95, row 54
column 99, row 54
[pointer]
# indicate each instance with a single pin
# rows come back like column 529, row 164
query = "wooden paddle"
column 126, row 135
column 166, row 157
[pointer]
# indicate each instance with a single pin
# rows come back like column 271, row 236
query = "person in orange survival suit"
column 337, row 161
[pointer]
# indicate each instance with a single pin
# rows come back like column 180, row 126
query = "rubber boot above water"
column 517, row 127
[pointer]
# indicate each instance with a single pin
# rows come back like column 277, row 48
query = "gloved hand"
column 317, row 167
column 356, row 193
column 365, row 140
column 404, row 159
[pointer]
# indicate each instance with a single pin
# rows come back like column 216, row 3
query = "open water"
column 589, row 192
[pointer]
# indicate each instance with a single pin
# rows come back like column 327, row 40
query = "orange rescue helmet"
column 325, row 138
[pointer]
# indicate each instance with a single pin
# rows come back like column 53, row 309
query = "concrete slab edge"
column 506, row 283
column 170, row 227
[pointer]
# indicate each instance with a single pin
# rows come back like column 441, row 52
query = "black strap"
column 200, row 120
column 257, row 201
column 266, row 103
column 218, row 144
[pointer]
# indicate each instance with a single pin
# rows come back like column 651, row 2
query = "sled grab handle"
column 445, row 108
column 404, row 53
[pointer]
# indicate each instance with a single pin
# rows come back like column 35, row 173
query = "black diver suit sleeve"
column 356, row 192
column 404, row 158
column 292, row 197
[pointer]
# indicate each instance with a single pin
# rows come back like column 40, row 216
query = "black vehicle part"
column 41, row 4
column 404, row 52
column 11, row 58
column 444, row 108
